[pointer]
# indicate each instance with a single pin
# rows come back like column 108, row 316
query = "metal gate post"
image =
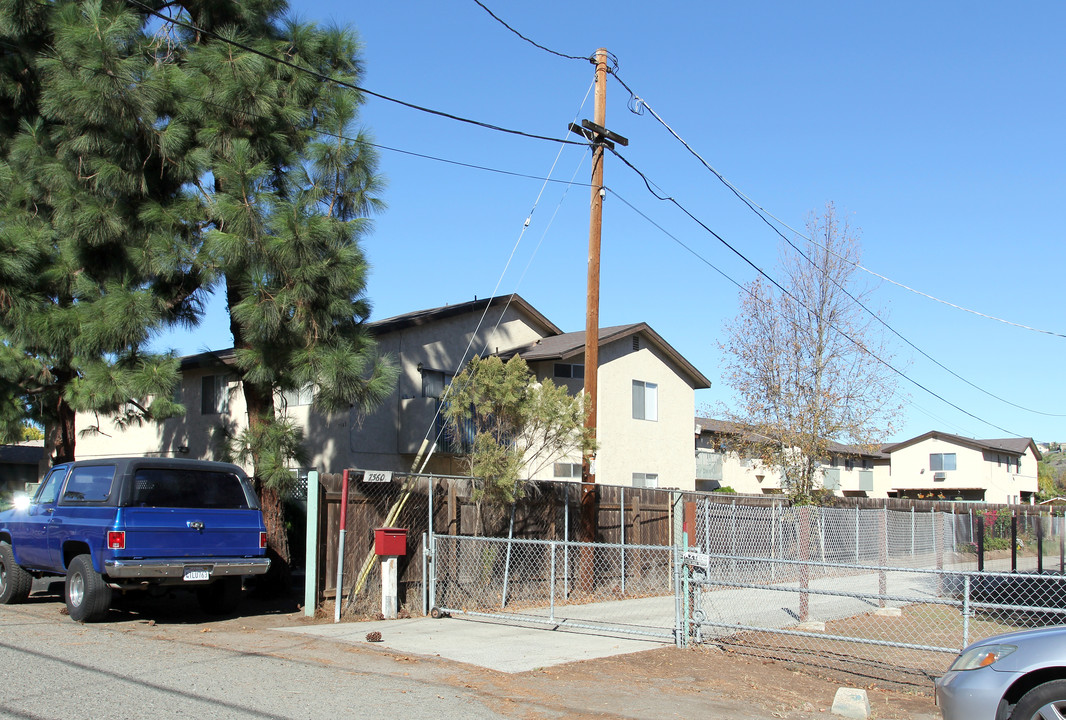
column 856, row 534
column 566, row 543
column 622, row 526
column 551, row 580
column 432, row 572
column 965, row 611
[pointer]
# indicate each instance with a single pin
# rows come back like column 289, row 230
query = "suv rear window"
column 182, row 488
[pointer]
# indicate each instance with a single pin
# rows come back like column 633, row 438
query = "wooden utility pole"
column 592, row 304
column 597, row 133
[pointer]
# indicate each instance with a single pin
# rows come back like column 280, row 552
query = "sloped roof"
column 220, row 358
column 569, row 346
column 1011, row 446
column 727, row 427
column 557, row 345
column 423, row 317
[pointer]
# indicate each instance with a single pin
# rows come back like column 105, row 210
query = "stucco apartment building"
column 646, row 398
column 934, row 466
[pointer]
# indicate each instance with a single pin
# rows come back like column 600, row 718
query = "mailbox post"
column 389, row 544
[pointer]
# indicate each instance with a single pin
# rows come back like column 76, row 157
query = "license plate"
column 192, row 574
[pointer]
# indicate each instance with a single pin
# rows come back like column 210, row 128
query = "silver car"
column 1016, row 676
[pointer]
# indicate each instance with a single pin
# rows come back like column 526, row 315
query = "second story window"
column 434, row 382
column 214, row 397
column 566, row 370
column 941, row 461
column 645, row 400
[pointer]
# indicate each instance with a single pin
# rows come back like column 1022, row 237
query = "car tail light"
column 262, row 540
column 116, row 540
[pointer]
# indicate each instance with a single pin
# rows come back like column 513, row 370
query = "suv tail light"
column 262, row 540
column 116, row 540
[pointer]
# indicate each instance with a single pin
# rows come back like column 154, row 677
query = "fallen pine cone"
column 373, row 636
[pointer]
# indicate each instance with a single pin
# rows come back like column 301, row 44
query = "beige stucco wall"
column 197, row 432
column 627, row 446
column 749, row 475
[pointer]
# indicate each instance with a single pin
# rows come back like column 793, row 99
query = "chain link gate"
column 870, row 588
column 629, row 590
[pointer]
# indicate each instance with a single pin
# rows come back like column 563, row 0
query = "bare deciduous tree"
column 808, row 364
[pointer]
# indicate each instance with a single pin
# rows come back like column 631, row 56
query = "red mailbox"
column 390, row 541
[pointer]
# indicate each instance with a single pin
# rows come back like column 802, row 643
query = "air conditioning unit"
column 940, row 476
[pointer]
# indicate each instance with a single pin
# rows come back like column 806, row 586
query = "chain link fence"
column 887, row 591
column 546, row 511
column 622, row 589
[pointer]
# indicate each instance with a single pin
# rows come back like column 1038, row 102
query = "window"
column 434, row 382
column 302, row 396
column 566, row 370
column 214, row 397
column 646, row 480
column 49, row 490
column 645, row 400
column 182, row 488
column 89, row 484
column 941, row 461
column 567, row 470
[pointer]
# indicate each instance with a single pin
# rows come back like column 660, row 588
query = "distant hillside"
column 1056, row 459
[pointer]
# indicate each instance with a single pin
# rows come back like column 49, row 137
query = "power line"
column 495, row 17
column 343, row 83
column 889, row 366
column 857, row 301
column 638, row 104
column 339, row 136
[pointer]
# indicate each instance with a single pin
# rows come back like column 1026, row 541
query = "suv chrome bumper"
column 175, row 567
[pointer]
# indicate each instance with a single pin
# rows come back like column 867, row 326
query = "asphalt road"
column 51, row 667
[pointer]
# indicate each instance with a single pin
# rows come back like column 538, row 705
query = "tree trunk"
column 279, row 578
column 62, row 435
column 260, row 403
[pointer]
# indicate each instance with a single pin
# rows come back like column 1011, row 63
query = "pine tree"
column 90, row 264
column 145, row 161
column 287, row 204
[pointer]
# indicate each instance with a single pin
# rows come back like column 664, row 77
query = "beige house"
column 940, row 465
column 646, row 398
column 932, row 466
column 645, row 391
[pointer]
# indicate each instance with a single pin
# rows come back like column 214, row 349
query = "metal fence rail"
column 624, row 589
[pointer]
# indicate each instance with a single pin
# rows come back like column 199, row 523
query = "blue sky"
column 936, row 127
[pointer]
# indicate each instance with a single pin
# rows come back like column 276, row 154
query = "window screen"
column 942, row 461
